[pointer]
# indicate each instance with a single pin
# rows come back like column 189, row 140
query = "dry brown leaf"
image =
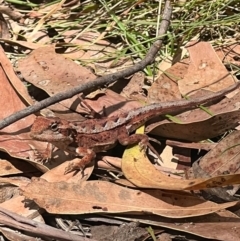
column 14, row 80
column 110, row 163
column 16, row 181
column 197, row 125
column 112, row 103
column 7, row 191
column 169, row 160
column 17, row 205
column 56, row 174
column 14, row 139
column 222, row 226
column 9, row 187
column 53, row 73
column 138, row 170
column 205, row 70
column 165, row 87
column 223, row 158
column 165, row 64
column 88, row 47
column 106, row 197
column 134, row 87
column 11, row 166
column 170, row 172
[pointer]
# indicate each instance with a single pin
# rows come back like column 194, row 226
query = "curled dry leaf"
column 106, row 197
column 14, row 139
column 224, row 157
column 11, row 166
column 138, row 170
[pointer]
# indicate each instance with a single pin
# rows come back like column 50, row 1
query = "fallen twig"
column 13, row 220
column 104, row 80
column 13, row 14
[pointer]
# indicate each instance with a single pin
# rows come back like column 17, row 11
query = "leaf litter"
column 138, row 187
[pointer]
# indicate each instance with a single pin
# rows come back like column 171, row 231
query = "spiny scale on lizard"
column 137, row 117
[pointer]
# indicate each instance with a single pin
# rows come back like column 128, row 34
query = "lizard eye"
column 54, row 127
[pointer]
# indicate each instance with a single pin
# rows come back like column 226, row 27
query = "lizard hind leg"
column 145, row 143
column 142, row 139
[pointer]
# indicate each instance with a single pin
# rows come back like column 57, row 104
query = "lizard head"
column 52, row 129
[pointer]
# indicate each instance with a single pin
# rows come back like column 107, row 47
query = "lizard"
column 91, row 136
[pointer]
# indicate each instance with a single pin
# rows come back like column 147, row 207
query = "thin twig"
column 13, row 220
column 13, row 14
column 104, row 80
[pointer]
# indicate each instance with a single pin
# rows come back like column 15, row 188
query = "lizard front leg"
column 87, row 156
column 143, row 140
column 43, row 156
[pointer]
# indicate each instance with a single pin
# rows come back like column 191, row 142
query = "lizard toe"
column 73, row 167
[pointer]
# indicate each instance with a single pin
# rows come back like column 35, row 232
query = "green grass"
column 133, row 28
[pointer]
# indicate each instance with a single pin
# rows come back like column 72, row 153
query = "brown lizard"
column 96, row 135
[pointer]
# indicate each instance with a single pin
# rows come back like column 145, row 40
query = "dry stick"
column 107, row 79
column 13, row 14
column 13, row 220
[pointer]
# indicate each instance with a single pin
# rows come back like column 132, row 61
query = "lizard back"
column 137, row 117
